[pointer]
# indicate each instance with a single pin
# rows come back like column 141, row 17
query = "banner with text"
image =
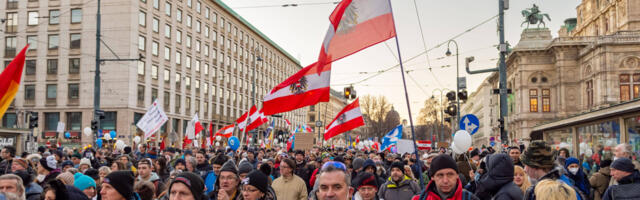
column 152, row 120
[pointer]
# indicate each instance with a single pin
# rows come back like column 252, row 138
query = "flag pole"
column 406, row 95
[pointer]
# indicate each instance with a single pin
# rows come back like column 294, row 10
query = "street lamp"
column 448, row 53
column 442, row 92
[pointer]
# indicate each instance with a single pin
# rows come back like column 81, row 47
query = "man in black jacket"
column 623, row 171
column 497, row 182
column 7, row 155
column 301, row 169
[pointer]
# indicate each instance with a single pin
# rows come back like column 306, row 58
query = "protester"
column 7, row 154
column 577, row 175
column 256, row 187
column 47, row 170
column 445, row 182
column 521, row 179
column 334, row 182
column 398, row 185
column 550, row 189
column 66, row 178
column 19, row 164
column 145, row 190
column 628, row 178
column 227, row 186
column 289, row 185
column 118, row 185
column 56, row 190
column 85, row 184
column 187, row 185
column 497, row 182
column 514, row 154
column 366, row 186
column 32, row 190
column 11, row 183
column 600, row 180
column 145, row 174
column 210, row 178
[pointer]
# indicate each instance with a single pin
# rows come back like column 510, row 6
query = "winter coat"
column 5, row 166
column 33, row 191
column 203, row 168
column 599, row 182
column 555, row 174
column 75, row 193
column 464, row 166
column 406, row 189
column 498, row 180
column 627, row 188
column 157, row 182
column 304, row 173
column 292, row 188
column 431, row 193
column 51, row 176
column 580, row 179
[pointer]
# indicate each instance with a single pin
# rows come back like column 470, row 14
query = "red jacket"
column 432, row 194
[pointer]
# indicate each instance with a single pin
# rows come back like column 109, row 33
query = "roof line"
column 254, row 29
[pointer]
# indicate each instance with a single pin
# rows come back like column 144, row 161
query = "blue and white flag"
column 392, row 137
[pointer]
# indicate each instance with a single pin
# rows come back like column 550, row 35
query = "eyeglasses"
column 335, row 164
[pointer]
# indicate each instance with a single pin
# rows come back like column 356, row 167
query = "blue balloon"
column 67, row 135
column 234, row 143
column 99, row 142
column 492, row 143
column 113, row 134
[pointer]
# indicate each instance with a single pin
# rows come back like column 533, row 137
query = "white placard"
column 152, row 120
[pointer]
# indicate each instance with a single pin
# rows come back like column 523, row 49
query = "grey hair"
column 193, row 161
column 19, row 185
column 105, row 169
column 626, row 148
column 331, row 168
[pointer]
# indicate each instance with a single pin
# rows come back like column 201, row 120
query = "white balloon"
column 136, row 139
column 217, row 143
column 275, row 140
column 462, row 139
column 120, row 145
column 107, row 136
column 87, row 131
column 455, row 148
column 218, row 138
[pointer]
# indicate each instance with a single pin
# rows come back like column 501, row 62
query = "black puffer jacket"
column 498, row 181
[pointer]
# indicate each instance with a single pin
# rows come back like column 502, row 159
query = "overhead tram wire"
column 424, row 43
column 428, row 50
column 288, row 5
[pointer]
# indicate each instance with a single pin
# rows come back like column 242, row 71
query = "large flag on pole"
column 349, row 118
column 10, row 81
column 226, row 131
column 152, row 120
column 307, row 87
column 194, row 127
column 242, row 120
column 392, row 137
column 256, row 118
column 356, row 25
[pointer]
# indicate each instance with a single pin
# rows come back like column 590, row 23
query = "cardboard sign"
column 304, row 141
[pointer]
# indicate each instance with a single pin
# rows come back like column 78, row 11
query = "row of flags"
column 355, row 25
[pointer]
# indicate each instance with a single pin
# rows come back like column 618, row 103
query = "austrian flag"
column 226, row 131
column 255, row 119
column 304, row 88
column 349, row 118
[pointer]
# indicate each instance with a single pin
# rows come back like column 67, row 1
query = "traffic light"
column 447, row 119
column 451, row 96
column 33, row 120
column 94, row 125
column 462, row 95
column 451, row 110
column 349, row 92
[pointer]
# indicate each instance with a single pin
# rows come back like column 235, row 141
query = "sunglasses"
column 335, row 164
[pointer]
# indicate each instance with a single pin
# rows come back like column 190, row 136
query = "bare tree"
column 374, row 110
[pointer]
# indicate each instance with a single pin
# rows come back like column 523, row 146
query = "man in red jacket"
column 445, row 182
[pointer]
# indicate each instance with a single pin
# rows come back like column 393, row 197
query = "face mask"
column 574, row 170
column 40, row 177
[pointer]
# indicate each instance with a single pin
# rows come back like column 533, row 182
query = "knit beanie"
column 365, row 179
column 66, row 163
column 442, row 161
column 192, row 181
column 49, row 162
column 122, row 181
column 571, row 160
column 399, row 165
column 66, row 177
column 358, row 163
column 244, row 167
column 266, row 169
column 257, row 179
column 21, row 162
column 85, row 161
column 623, row 164
column 229, row 166
column 219, row 160
column 369, row 163
column 179, row 161
column 83, row 182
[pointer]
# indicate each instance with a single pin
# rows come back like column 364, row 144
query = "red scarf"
column 432, row 194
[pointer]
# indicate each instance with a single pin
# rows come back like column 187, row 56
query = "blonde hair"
column 554, row 190
column 525, row 179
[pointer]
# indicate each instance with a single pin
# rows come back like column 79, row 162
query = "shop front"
column 14, row 138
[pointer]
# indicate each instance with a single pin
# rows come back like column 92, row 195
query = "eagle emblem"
column 299, row 86
column 349, row 19
column 342, row 118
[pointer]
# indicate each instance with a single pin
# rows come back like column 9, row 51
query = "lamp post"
column 448, row 53
column 442, row 91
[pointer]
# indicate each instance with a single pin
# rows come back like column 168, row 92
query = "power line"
column 424, row 42
column 288, row 5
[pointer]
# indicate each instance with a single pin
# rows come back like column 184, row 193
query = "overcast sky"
column 300, row 31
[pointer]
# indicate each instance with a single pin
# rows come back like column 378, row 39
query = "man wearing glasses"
column 445, row 182
column 289, row 186
column 334, row 183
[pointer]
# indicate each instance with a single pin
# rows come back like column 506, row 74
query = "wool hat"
column 257, row 179
column 66, row 177
column 93, row 173
column 357, row 163
column 66, row 163
column 49, row 162
column 192, row 181
column 21, row 162
column 398, row 165
column 365, row 179
column 76, row 155
column 85, row 161
column 369, row 163
column 605, row 163
column 244, row 167
column 83, row 181
column 122, row 181
column 179, row 161
column 229, row 166
column 571, row 160
column 538, row 155
column 442, row 161
column 266, row 169
column 127, row 150
column 219, row 160
column 623, row 164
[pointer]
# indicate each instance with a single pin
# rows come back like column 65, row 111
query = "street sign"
column 318, row 123
column 470, row 123
column 462, row 83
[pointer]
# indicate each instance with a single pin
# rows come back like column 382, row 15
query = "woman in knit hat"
column 227, row 185
column 85, row 184
column 366, row 186
column 66, row 178
column 256, row 187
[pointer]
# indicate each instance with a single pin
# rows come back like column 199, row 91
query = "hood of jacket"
column 405, row 181
column 499, row 173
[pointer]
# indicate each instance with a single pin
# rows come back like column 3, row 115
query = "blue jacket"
column 210, row 181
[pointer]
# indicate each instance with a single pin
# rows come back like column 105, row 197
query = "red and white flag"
column 304, row 88
column 194, row 127
column 211, row 134
column 226, row 131
column 356, row 25
column 349, row 118
column 255, row 119
column 288, row 122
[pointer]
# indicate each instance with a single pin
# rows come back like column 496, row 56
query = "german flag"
column 10, row 81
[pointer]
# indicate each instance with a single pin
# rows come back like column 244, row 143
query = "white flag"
column 152, row 120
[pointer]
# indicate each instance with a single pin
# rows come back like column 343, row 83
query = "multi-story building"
column 578, row 90
column 479, row 104
column 325, row 112
column 199, row 56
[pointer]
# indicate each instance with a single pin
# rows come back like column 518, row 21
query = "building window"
column 52, row 66
column 166, row 101
column 178, row 79
column 214, row 19
column 188, row 41
column 156, row 25
column 52, row 91
column 198, row 7
column 167, row 53
column 188, row 104
column 197, row 86
column 206, row 13
column 198, row 25
column 12, row 22
column 142, row 41
column 32, row 40
column 189, row 21
column 178, row 36
column 10, row 120
column 178, row 57
column 154, row 94
column 154, row 48
column 626, row 85
column 187, row 62
column 54, row 41
column 546, row 100
column 154, row 72
column 74, row 91
column 189, row 3
column 187, row 82
column 179, row 15
column 206, row 31
column 141, row 68
column 167, row 9
column 589, row 94
column 197, row 66
column 177, row 103
column 33, row 17
column 10, row 47
column 206, row 50
column 75, row 40
column 167, row 75
column 109, row 121
column 206, row 69
column 30, row 67
column 74, row 121
column 54, row 17
column 533, row 100
column 76, row 15
column 156, row 4
column 167, row 31
column 51, row 121
column 29, row 92
column 74, row 65
column 140, row 93
column 142, row 18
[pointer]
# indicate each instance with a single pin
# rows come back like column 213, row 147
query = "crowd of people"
column 535, row 172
